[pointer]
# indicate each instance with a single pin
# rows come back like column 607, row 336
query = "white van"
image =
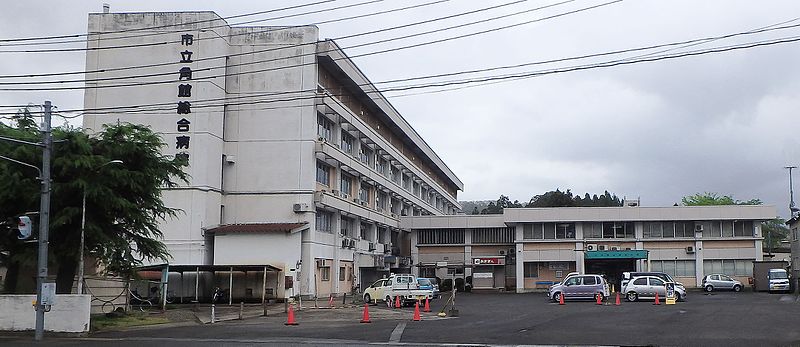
column 778, row 280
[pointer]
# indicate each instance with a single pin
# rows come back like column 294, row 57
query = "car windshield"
column 778, row 275
column 424, row 281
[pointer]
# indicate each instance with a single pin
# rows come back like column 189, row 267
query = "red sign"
column 488, row 261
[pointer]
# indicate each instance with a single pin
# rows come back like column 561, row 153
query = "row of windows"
column 324, row 223
column 325, row 273
column 609, row 230
column 689, row 229
column 440, row 236
column 731, row 267
column 676, row 268
column 548, row 231
column 493, row 235
column 367, row 156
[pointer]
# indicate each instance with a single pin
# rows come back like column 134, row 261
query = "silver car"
column 646, row 287
column 721, row 282
column 580, row 287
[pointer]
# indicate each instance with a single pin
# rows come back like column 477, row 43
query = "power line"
column 287, row 47
column 316, row 53
column 506, row 77
column 166, row 25
column 53, row 50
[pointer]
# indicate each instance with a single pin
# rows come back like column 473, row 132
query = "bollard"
column 285, row 305
column 213, row 314
column 344, row 299
column 241, row 309
column 264, row 306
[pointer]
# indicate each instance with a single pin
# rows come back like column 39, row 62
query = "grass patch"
column 103, row 322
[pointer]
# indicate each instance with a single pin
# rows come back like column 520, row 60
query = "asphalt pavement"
column 719, row 319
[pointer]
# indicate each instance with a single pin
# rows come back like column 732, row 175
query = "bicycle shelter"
column 163, row 271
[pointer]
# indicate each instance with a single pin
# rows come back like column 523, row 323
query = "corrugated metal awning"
column 258, row 228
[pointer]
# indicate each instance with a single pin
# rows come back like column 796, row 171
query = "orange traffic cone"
column 657, row 302
column 416, row 312
column 599, row 299
column 617, row 301
column 290, row 320
column 427, row 306
column 561, row 299
column 397, row 301
column 365, row 319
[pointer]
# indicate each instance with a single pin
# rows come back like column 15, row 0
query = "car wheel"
column 678, row 297
column 557, row 296
column 709, row 288
column 367, row 299
column 602, row 297
column 631, row 296
column 737, row 288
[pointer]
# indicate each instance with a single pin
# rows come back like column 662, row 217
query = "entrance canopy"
column 622, row 254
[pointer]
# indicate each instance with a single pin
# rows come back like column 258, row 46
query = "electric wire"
column 315, row 53
column 55, row 50
column 461, row 83
column 404, row 26
column 166, row 25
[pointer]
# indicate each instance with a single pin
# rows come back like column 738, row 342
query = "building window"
column 407, row 183
column 342, row 273
column 363, row 193
column 381, row 235
column 323, row 174
column 440, row 237
column 427, row 272
column 730, row 267
column 346, row 185
column 324, row 221
column 365, row 154
column 493, row 235
column 416, row 188
column 455, row 271
column 395, row 175
column 668, row 229
column 675, row 268
column 365, row 234
column 548, row 231
column 325, row 273
column 382, row 165
column 380, row 200
column 531, row 270
column 324, row 128
column 347, row 226
column 347, row 143
column 743, row 229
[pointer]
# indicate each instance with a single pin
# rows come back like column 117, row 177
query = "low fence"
column 70, row 313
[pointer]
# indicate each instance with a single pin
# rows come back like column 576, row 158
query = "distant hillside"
column 469, row 206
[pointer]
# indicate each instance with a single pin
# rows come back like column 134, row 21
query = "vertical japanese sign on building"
column 182, row 140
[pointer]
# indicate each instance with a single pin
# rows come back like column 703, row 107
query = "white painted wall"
column 69, row 314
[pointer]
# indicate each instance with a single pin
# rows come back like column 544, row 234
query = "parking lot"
column 718, row 319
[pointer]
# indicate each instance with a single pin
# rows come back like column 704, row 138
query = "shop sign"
column 482, row 275
column 488, row 261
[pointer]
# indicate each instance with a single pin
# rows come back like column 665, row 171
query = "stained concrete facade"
column 541, row 245
column 275, row 119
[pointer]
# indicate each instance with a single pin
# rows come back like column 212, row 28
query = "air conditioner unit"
column 591, row 247
column 335, row 192
column 387, row 248
column 502, row 252
column 689, row 249
column 321, row 139
column 322, row 263
column 371, row 246
column 345, row 243
column 352, row 243
column 301, row 207
column 363, row 203
column 343, row 232
column 356, row 200
column 379, row 209
column 394, row 215
column 345, row 196
column 698, row 228
column 602, row 247
column 614, row 248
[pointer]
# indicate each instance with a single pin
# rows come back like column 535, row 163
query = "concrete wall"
column 69, row 314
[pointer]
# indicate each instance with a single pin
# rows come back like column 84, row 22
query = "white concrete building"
column 296, row 161
column 530, row 248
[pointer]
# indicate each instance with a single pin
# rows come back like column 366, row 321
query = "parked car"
column 403, row 286
column 646, row 287
column 778, row 280
column 627, row 276
column 429, row 284
column 720, row 282
column 580, row 287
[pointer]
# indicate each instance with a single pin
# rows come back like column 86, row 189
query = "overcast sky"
column 723, row 122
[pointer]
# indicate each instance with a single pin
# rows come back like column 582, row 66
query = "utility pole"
column 44, row 220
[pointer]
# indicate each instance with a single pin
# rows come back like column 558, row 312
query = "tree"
column 713, row 199
column 123, row 202
column 774, row 232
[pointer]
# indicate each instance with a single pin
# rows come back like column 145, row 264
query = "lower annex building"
column 525, row 249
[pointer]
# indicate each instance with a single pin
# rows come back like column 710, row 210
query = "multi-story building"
column 530, row 248
column 297, row 161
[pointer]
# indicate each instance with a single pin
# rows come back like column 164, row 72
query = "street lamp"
column 83, row 226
